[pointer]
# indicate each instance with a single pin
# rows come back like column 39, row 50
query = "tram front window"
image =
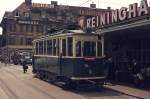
column 78, row 48
column 89, row 49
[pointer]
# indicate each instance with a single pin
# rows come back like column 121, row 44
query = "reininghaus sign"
column 114, row 16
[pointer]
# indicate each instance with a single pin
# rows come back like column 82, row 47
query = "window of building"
column 43, row 14
column 27, row 14
column 29, row 28
column 12, row 27
column 39, row 28
column 21, row 40
column 21, row 28
column 70, row 43
column 78, row 48
column 49, row 47
column 17, row 14
column 28, row 41
column 54, row 47
column 32, row 29
column 63, row 47
column 11, row 41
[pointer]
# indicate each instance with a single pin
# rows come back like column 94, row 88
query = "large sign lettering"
column 114, row 16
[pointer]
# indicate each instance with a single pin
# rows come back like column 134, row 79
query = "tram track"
column 34, row 87
column 132, row 96
column 39, row 89
column 10, row 93
column 42, row 91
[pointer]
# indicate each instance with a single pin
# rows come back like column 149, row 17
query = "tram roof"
column 65, row 32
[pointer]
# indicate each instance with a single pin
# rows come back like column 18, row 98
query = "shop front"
column 129, row 46
column 126, row 38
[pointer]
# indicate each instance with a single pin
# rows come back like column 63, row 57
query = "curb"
column 122, row 92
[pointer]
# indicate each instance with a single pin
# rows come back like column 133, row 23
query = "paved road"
column 14, row 84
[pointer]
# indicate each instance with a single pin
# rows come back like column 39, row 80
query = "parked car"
column 28, row 60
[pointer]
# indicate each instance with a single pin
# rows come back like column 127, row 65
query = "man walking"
column 25, row 67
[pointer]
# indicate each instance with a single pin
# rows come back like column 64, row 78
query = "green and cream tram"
column 70, row 55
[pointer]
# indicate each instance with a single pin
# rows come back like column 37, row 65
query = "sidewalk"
column 135, row 92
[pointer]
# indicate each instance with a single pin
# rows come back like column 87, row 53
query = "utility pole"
column 98, row 3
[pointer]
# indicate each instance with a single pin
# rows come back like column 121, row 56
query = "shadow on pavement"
column 96, row 92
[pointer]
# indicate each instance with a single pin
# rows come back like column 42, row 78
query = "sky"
column 9, row 5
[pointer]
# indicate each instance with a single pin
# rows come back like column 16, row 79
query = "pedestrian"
column 25, row 67
column 110, row 68
column 6, row 61
column 137, row 74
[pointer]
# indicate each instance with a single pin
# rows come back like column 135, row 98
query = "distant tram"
column 69, row 56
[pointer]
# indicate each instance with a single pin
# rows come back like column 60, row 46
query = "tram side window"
column 58, row 41
column 36, row 48
column 89, row 49
column 49, row 47
column 64, row 47
column 70, row 53
column 78, row 48
column 54, row 47
column 41, row 47
column 45, row 48
column 99, row 46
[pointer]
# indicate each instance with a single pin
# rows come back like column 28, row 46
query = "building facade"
column 127, row 42
column 31, row 20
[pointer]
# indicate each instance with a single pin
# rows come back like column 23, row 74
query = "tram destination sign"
column 118, row 15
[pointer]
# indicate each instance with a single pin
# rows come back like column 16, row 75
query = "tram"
column 69, row 56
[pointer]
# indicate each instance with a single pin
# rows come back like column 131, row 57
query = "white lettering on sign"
column 123, row 13
column 97, row 22
column 88, row 23
column 143, row 8
column 93, row 22
column 132, row 10
column 118, row 15
column 108, row 18
column 114, row 15
column 102, row 19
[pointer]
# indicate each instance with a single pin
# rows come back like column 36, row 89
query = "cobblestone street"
column 14, row 84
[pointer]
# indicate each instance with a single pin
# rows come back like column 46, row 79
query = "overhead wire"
column 85, row 2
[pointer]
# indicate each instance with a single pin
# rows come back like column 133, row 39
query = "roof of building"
column 37, row 8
